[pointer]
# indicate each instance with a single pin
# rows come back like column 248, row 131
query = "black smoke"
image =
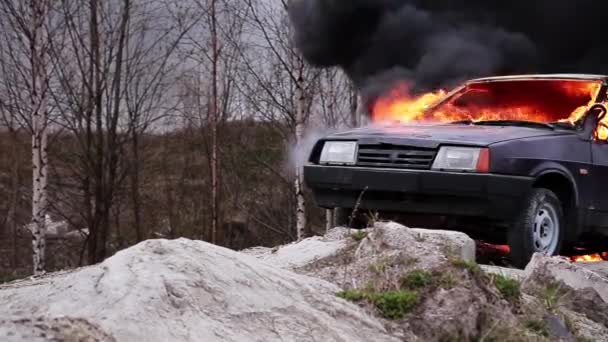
column 435, row 43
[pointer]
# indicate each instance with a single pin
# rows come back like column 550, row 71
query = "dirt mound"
column 185, row 290
column 386, row 283
column 425, row 285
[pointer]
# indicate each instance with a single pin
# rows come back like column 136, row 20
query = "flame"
column 597, row 257
column 398, row 105
column 571, row 96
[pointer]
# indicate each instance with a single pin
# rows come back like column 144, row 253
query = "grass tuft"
column 416, row 279
column 471, row 266
column 395, row 304
column 359, row 236
column 552, row 295
column 353, row 295
column 509, row 288
column 392, row 304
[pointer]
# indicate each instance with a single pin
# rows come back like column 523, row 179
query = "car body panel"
column 580, row 77
column 431, row 192
column 434, row 135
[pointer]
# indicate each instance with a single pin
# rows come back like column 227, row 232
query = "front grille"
column 393, row 156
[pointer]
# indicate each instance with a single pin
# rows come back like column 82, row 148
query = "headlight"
column 454, row 158
column 339, row 152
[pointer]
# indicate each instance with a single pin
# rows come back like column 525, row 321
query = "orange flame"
column 597, row 257
column 570, row 96
column 398, row 105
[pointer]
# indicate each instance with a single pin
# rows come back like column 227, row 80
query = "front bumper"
column 412, row 191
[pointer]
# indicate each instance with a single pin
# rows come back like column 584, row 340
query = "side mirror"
column 593, row 118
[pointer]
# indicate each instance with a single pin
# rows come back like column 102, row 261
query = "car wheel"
column 343, row 217
column 538, row 228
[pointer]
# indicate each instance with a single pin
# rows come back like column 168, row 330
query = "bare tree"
column 281, row 89
column 113, row 74
column 215, row 65
column 30, row 23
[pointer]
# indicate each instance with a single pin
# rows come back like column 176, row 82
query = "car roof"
column 577, row 77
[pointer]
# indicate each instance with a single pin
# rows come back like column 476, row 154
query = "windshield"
column 543, row 101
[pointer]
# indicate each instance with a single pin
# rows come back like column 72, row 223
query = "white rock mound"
column 302, row 253
column 186, row 290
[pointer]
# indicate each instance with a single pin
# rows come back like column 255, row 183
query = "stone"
column 572, row 274
column 185, row 290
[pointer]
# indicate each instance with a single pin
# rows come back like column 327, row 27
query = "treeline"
column 131, row 119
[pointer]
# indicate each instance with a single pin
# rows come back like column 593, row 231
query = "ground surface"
column 389, row 283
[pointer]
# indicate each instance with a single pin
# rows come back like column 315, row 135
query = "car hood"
column 438, row 134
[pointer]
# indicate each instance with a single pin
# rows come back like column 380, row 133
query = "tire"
column 343, row 218
column 538, row 228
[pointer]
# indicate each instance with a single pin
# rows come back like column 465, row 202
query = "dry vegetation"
column 257, row 202
column 160, row 119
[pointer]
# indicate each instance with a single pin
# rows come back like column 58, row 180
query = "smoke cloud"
column 438, row 43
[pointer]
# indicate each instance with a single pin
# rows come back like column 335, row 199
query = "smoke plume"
column 437, row 43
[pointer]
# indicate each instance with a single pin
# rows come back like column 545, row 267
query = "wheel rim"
column 546, row 229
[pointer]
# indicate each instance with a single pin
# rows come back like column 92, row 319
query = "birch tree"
column 40, row 137
column 213, row 111
column 279, row 85
column 29, row 21
column 300, row 122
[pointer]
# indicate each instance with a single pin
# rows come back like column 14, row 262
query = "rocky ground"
column 387, row 283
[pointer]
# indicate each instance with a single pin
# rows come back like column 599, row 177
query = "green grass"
column 395, row 304
column 508, row 287
column 471, row 266
column 416, row 279
column 552, row 295
column 359, row 236
column 353, row 295
column 392, row 304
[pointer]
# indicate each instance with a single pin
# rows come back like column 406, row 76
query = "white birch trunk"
column 39, row 135
column 300, row 122
column 214, row 122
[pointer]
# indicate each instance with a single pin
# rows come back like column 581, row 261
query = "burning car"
column 521, row 159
